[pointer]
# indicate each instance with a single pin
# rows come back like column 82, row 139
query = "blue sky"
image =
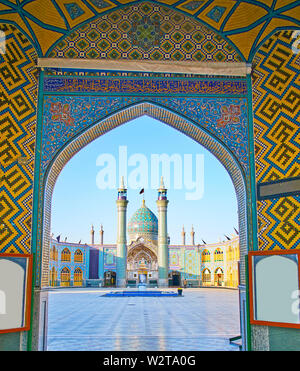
column 78, row 202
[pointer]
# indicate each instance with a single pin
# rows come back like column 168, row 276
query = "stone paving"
column 203, row 319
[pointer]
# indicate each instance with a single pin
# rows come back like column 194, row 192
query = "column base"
column 163, row 282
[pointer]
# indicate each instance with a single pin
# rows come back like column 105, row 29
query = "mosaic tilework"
column 18, row 92
column 192, row 270
column 143, row 221
column 174, row 260
column 72, row 265
column 119, row 118
column 216, row 13
column 277, row 137
column 226, row 118
column 74, row 10
column 146, row 86
column 110, row 258
column 245, row 24
column 279, row 223
column 276, row 102
column 146, row 31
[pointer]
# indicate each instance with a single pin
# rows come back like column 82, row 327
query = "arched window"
column 219, row 276
column 78, row 256
column 53, row 277
column 218, row 255
column 65, row 277
column 78, row 277
column 66, row 255
column 206, row 277
column 205, row 256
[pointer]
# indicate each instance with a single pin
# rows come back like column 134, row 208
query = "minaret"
column 163, row 259
column 183, row 236
column 101, row 234
column 92, row 235
column 193, row 236
column 121, row 237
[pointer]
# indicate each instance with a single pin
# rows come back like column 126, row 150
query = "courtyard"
column 202, row 320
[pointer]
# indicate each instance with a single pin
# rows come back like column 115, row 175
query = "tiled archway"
column 168, row 117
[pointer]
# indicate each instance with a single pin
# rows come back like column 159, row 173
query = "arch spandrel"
column 223, row 118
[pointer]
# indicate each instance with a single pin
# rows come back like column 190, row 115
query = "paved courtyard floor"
column 83, row 319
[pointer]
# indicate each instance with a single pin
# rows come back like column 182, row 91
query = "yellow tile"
column 17, row 19
column 4, row 7
column 267, row 2
column 244, row 40
column 45, row 11
column 228, row 4
column 274, row 23
column 281, row 3
column 294, row 13
column 74, row 22
column 244, row 15
column 46, row 38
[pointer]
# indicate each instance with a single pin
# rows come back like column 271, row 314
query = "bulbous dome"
column 143, row 223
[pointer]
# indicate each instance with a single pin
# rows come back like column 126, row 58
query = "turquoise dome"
column 143, row 223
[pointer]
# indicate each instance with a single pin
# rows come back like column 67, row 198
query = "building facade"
column 143, row 255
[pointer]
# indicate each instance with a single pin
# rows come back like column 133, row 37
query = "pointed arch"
column 166, row 116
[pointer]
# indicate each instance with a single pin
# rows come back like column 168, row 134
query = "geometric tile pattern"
column 18, row 94
column 276, row 103
column 279, row 223
column 191, row 264
column 110, row 258
column 225, row 118
column 244, row 24
column 168, row 117
column 174, row 261
column 143, row 222
column 145, row 31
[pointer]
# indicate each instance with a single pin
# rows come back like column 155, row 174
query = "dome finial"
column 143, row 203
column 162, row 185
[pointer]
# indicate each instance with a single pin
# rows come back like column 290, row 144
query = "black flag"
column 142, row 191
column 204, row 242
column 236, row 231
column 227, row 237
column 58, row 238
